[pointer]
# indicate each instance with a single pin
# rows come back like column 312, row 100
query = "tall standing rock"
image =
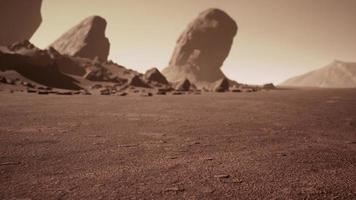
column 202, row 48
column 86, row 40
column 19, row 20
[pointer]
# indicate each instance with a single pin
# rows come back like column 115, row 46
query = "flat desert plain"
column 282, row 144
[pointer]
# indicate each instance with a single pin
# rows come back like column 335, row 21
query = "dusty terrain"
column 283, row 144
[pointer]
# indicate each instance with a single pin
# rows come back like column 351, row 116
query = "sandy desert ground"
column 282, row 144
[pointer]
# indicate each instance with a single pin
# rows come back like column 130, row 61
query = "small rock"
column 146, row 94
column 76, row 92
column 236, row 90
column 351, row 142
column 85, row 92
column 105, row 92
column 9, row 163
column 96, row 86
column 237, row 181
column 123, row 94
column 269, row 86
column 2, row 79
column 222, row 176
column 174, row 189
column 10, row 81
column 128, row 145
column 161, row 93
column 42, row 92
column 177, row 93
column 29, row 90
column 63, row 93
column 44, row 88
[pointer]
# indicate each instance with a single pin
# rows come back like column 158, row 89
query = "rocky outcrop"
column 269, row 86
column 154, row 75
column 35, row 65
column 202, row 48
column 19, row 20
column 338, row 74
column 136, row 81
column 222, row 85
column 86, row 40
column 184, row 85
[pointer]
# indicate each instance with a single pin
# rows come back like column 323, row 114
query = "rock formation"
column 183, row 85
column 202, row 48
column 86, row 40
column 222, row 85
column 19, row 19
column 269, row 86
column 136, row 81
column 35, row 65
column 155, row 75
column 338, row 74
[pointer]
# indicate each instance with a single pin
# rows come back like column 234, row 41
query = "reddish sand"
column 286, row 144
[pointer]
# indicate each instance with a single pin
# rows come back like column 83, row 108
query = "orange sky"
column 277, row 39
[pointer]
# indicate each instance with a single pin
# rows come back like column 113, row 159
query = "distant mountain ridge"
column 338, row 74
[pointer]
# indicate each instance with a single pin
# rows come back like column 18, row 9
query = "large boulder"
column 136, row 81
column 155, row 75
column 19, row 20
column 269, row 86
column 222, row 85
column 183, row 85
column 86, row 40
column 202, row 48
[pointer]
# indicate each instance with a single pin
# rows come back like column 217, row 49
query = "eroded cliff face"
column 19, row 20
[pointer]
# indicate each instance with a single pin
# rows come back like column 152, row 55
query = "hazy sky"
column 277, row 39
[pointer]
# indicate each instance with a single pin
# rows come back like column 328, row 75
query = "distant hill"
column 338, row 74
